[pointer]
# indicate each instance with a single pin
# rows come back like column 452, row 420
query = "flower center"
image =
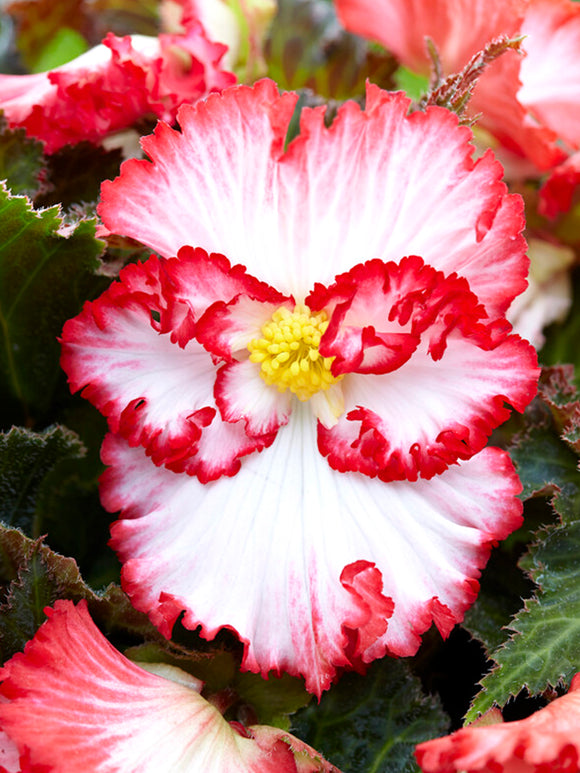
column 288, row 352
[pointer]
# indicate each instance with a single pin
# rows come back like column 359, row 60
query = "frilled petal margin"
column 226, row 183
column 301, row 561
column 547, row 741
column 120, row 350
column 112, row 86
column 79, row 705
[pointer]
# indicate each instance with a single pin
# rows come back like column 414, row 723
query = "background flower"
column 100, row 711
column 546, row 740
column 529, row 103
column 113, row 86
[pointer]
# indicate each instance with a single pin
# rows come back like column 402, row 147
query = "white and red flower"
column 114, row 85
column 73, row 703
column 545, row 742
column 354, row 336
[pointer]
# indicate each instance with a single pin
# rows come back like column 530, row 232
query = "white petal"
column 263, row 552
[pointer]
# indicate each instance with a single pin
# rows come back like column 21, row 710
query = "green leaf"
column 66, row 44
column 75, row 174
column 372, row 724
column 503, row 586
column 308, row 48
column 545, row 648
column 26, row 459
column 47, row 270
column 274, row 699
column 23, row 611
column 414, row 84
column 21, row 161
column 39, row 21
column 547, row 466
column 35, row 576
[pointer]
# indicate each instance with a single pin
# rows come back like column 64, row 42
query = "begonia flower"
column 241, row 25
column 530, row 103
column 547, row 741
column 76, row 704
column 354, row 335
column 112, row 86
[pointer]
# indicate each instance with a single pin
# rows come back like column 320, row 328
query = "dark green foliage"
column 371, row 724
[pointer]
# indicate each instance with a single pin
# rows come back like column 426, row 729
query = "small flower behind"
column 529, row 103
column 100, row 712
column 112, row 86
column 297, row 429
column 545, row 742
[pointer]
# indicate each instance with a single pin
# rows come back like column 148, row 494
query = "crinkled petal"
column 225, row 183
column 121, row 351
column 526, row 102
column 221, row 447
column 152, row 391
column 301, row 561
column 227, row 306
column 112, row 86
column 378, row 312
column 98, row 711
column 445, row 396
column 459, row 28
column 241, row 394
column 545, row 741
column 212, row 180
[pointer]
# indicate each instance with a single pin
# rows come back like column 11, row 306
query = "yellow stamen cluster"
column 288, row 352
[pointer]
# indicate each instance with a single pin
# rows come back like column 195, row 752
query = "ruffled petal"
column 378, row 312
column 213, row 181
column 524, row 144
column 440, row 401
column 301, row 561
column 112, row 86
column 121, row 351
column 225, row 183
column 545, row 741
column 199, row 281
column 153, row 392
column 226, row 305
column 100, row 712
column 241, row 394
column 459, row 28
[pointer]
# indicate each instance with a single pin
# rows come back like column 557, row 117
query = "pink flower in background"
column 547, row 741
column 353, row 336
column 530, row 103
column 100, row 712
column 459, row 28
column 112, row 86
